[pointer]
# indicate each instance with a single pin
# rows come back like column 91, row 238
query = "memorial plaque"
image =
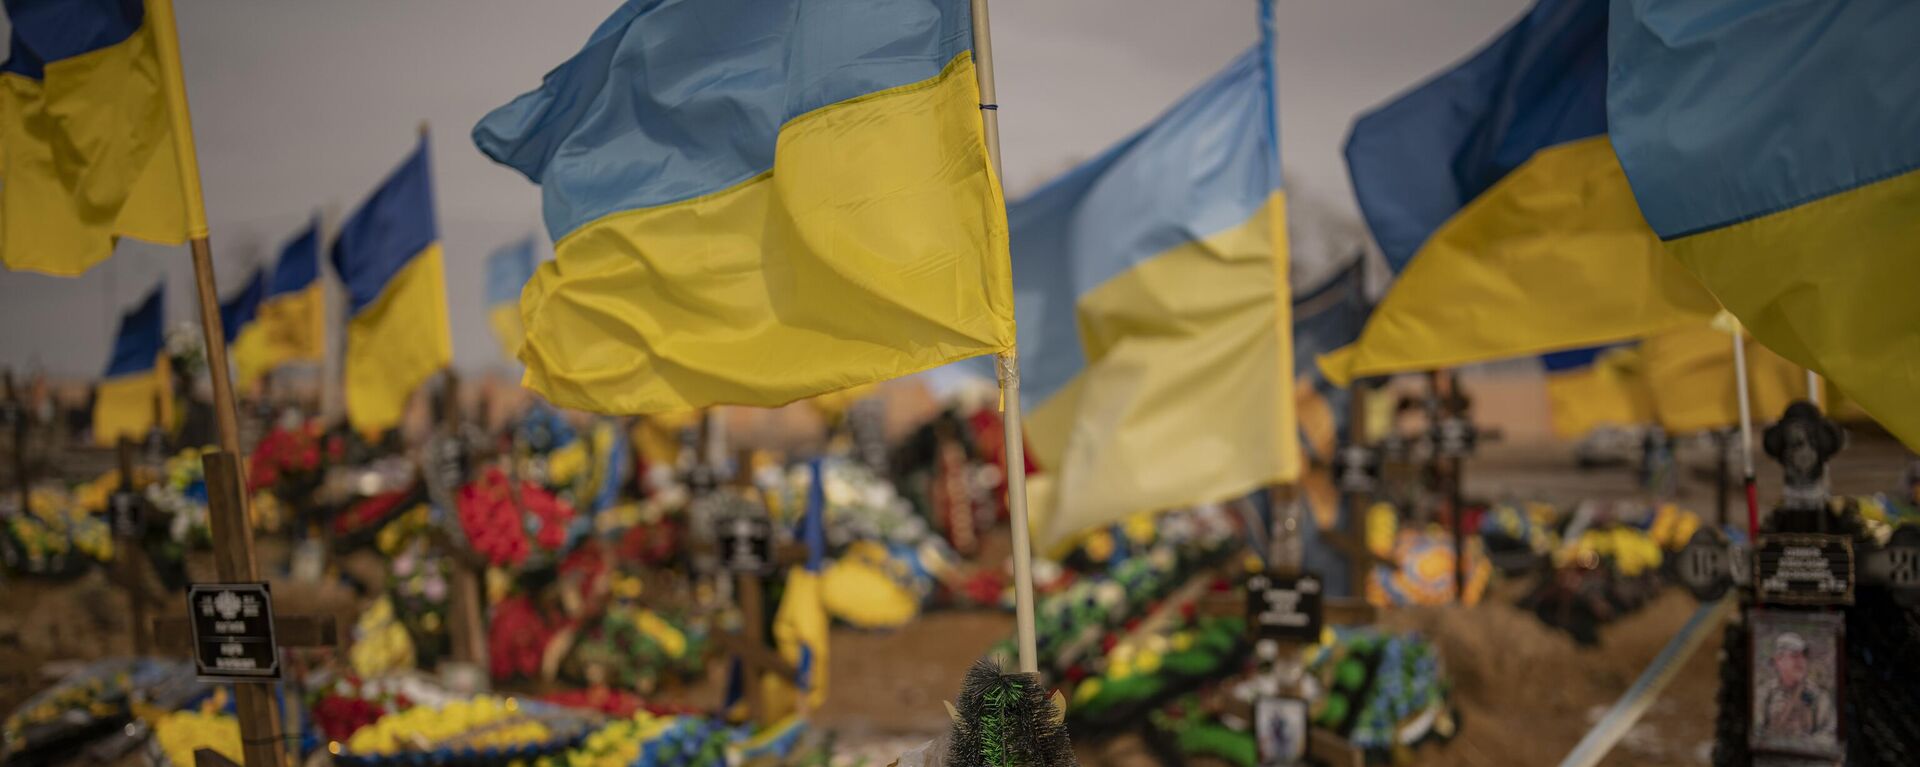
column 746, row 543
column 126, row 513
column 1357, row 467
column 233, row 632
column 1286, row 608
column 1705, row 566
column 1804, row 569
column 1896, row 566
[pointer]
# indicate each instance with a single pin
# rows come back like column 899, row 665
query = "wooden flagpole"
column 1008, row 367
column 233, row 535
column 1746, row 429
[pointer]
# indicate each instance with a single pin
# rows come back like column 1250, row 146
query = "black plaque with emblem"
column 1705, row 565
column 746, row 543
column 1285, row 607
column 1804, row 569
column 233, row 632
column 1896, row 566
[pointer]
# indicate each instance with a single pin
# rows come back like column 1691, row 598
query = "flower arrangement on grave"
column 179, row 734
column 491, row 518
column 381, row 643
column 418, row 584
column 517, row 637
column 291, row 461
column 1139, row 672
column 341, row 709
column 56, row 536
column 484, row 729
column 1380, row 691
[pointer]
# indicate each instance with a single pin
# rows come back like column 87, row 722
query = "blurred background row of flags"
column 1596, row 185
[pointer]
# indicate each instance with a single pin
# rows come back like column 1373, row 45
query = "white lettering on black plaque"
column 1804, row 569
column 746, row 543
column 233, row 631
column 1282, row 607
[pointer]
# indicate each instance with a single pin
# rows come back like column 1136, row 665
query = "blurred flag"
column 1689, row 372
column 1324, row 319
column 388, row 254
column 279, row 317
column 756, row 201
column 89, row 144
column 508, row 270
column 801, row 625
column 1598, row 386
column 1776, row 151
column 137, row 391
column 1493, row 192
column 1152, row 285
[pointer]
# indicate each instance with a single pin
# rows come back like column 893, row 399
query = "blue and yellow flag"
column 1493, row 192
column 1775, row 148
column 388, row 254
column 1692, row 384
column 280, row 317
column 508, row 270
column 757, row 201
column 1598, row 386
column 136, row 393
column 87, row 145
column 1152, row 285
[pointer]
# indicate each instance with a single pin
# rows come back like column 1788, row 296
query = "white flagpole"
column 1008, row 368
column 1813, row 389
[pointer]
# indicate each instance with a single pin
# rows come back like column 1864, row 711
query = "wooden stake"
column 1746, row 431
column 1357, row 502
column 17, row 403
column 1008, row 368
column 125, row 547
column 233, row 557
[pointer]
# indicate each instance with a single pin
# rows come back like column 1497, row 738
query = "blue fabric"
column 1417, row 160
column 243, row 306
column 1205, row 166
column 813, row 528
column 299, row 263
column 674, row 99
column 1572, row 359
column 51, row 30
column 142, row 336
column 508, row 270
column 388, row 230
column 1783, row 103
column 616, row 461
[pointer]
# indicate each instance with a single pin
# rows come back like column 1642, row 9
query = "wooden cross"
column 749, row 645
column 261, row 739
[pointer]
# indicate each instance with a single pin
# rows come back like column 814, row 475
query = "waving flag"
column 388, row 254
column 1598, row 386
column 137, row 393
column 508, row 270
column 1152, row 285
column 1775, row 148
column 1493, row 192
column 757, row 201
column 88, row 140
column 279, row 317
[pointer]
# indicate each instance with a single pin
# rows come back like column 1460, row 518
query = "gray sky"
column 299, row 106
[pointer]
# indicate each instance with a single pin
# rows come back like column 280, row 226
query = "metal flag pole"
column 1813, row 389
column 227, row 505
column 1007, row 365
column 1746, row 430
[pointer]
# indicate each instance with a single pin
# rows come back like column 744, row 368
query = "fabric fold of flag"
column 388, row 255
column 88, row 143
column 280, row 317
column 508, row 270
column 136, row 394
column 1493, row 192
column 1597, row 386
column 754, row 202
column 1152, row 288
column 1773, row 147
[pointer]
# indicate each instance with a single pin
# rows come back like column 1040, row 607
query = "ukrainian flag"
column 1775, row 148
column 508, row 270
column 1597, row 386
column 279, row 318
column 757, row 201
column 89, row 153
column 388, row 254
column 1689, row 372
column 1493, row 192
column 137, row 393
column 1152, row 286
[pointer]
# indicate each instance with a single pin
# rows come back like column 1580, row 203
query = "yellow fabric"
column 1610, row 392
column 874, row 248
column 1187, row 391
column 857, row 589
column 801, row 621
column 1553, row 256
column 505, row 321
column 289, row 328
column 125, row 406
column 397, row 342
column 833, row 406
column 87, row 155
column 1690, row 374
column 1830, row 286
column 167, row 44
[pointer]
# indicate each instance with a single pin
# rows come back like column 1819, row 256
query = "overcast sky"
column 303, row 106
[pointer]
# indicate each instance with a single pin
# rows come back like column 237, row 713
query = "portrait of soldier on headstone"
column 1795, row 668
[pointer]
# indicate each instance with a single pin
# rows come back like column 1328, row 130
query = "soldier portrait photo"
column 1794, row 676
